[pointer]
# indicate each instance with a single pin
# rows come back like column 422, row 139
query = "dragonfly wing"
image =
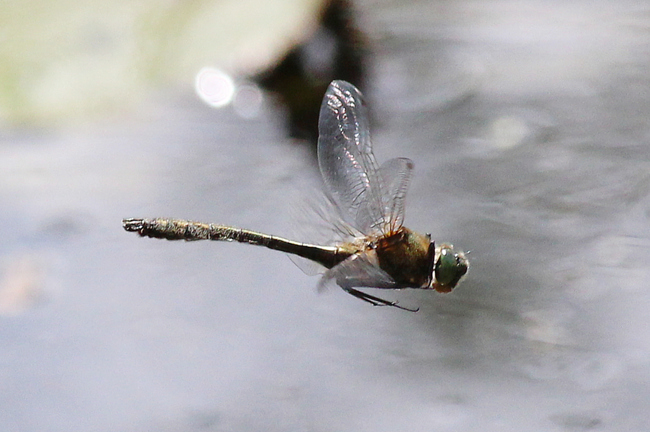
column 308, row 267
column 357, row 271
column 345, row 157
column 396, row 176
column 317, row 219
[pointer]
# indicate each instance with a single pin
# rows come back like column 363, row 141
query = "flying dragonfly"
column 377, row 250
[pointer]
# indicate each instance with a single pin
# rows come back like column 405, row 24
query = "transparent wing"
column 316, row 219
column 345, row 157
column 396, row 176
column 356, row 271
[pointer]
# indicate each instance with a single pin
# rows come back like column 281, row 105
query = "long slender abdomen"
column 178, row 229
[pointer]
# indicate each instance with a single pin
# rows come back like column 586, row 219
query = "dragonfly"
column 375, row 249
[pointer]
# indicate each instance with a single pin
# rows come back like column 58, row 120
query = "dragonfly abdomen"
column 178, row 229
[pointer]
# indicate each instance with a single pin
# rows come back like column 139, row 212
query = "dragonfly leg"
column 376, row 301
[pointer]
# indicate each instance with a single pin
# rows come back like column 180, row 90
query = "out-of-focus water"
column 527, row 122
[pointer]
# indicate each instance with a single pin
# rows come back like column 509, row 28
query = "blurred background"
column 528, row 124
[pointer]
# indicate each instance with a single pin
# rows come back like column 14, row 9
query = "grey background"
column 528, row 125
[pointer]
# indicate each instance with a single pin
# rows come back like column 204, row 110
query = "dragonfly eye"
column 450, row 267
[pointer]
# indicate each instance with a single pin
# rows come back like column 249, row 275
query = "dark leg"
column 376, row 301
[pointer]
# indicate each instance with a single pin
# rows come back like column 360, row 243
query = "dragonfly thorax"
column 405, row 256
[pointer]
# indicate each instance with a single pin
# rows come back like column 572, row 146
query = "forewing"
column 345, row 157
column 356, row 271
column 396, row 176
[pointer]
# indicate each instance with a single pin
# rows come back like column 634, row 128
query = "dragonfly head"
column 448, row 269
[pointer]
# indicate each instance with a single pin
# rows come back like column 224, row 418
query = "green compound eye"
column 450, row 267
